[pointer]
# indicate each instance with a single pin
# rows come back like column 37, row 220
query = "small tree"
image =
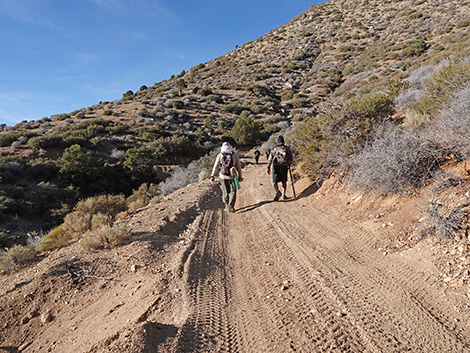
column 246, row 130
column 180, row 85
column 139, row 164
column 77, row 164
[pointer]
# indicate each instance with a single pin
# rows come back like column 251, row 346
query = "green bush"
column 44, row 142
column 142, row 196
column 327, row 140
column 17, row 256
column 246, row 130
column 7, row 138
column 174, row 149
column 56, row 239
column 414, row 48
column 76, row 164
column 139, row 164
column 129, row 95
column 105, row 237
column 177, row 104
column 444, row 84
column 86, row 213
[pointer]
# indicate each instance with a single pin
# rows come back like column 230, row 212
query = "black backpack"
column 283, row 155
column 226, row 164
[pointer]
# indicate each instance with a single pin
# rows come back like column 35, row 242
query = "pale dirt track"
column 274, row 277
column 284, row 277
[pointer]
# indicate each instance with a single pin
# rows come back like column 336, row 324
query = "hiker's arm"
column 215, row 167
column 270, row 161
column 238, row 165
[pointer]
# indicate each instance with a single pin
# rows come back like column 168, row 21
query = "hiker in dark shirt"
column 280, row 158
column 257, row 154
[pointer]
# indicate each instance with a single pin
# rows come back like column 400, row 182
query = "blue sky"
column 61, row 55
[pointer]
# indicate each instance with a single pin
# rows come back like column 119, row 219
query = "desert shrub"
column 118, row 154
column 234, row 108
column 16, row 256
column 203, row 91
column 180, row 85
column 174, row 148
column 327, row 140
column 440, row 89
column 177, row 104
column 182, row 176
column 287, row 96
column 299, row 102
column 395, row 162
column 44, row 142
column 129, row 95
column 55, row 239
column 246, row 130
column 214, row 98
column 105, row 236
column 464, row 23
column 7, row 138
column 109, row 205
column 76, row 223
column 453, row 127
column 142, row 196
column 76, row 164
column 205, row 164
column 445, row 217
column 139, row 164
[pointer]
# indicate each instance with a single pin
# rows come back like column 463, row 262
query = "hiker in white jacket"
column 228, row 162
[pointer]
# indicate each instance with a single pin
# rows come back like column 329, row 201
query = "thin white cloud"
column 116, row 5
column 26, row 11
column 141, row 7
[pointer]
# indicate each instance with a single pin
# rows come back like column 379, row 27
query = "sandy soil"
column 300, row 275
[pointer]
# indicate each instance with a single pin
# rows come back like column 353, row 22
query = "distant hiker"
column 268, row 152
column 257, row 154
column 280, row 158
column 229, row 164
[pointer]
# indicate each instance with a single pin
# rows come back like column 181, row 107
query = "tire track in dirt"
column 208, row 327
column 283, row 277
column 402, row 289
column 406, row 321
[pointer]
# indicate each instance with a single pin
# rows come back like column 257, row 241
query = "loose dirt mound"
column 301, row 275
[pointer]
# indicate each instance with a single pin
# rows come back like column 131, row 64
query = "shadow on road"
column 252, row 207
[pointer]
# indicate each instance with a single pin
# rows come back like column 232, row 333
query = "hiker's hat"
column 280, row 139
column 226, row 148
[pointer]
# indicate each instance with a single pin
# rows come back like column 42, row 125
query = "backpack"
column 226, row 164
column 283, row 155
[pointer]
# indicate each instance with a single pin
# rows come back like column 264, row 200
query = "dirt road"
column 285, row 277
column 274, row 277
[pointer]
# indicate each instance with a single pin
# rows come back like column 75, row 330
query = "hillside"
column 372, row 256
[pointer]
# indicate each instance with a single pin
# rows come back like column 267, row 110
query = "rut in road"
column 284, row 277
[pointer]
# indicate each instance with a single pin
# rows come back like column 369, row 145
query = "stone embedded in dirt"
column 25, row 320
column 46, row 317
column 24, row 346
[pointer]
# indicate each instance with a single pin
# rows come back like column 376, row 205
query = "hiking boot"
column 278, row 195
column 284, row 197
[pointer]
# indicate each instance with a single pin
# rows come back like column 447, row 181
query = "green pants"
column 229, row 192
